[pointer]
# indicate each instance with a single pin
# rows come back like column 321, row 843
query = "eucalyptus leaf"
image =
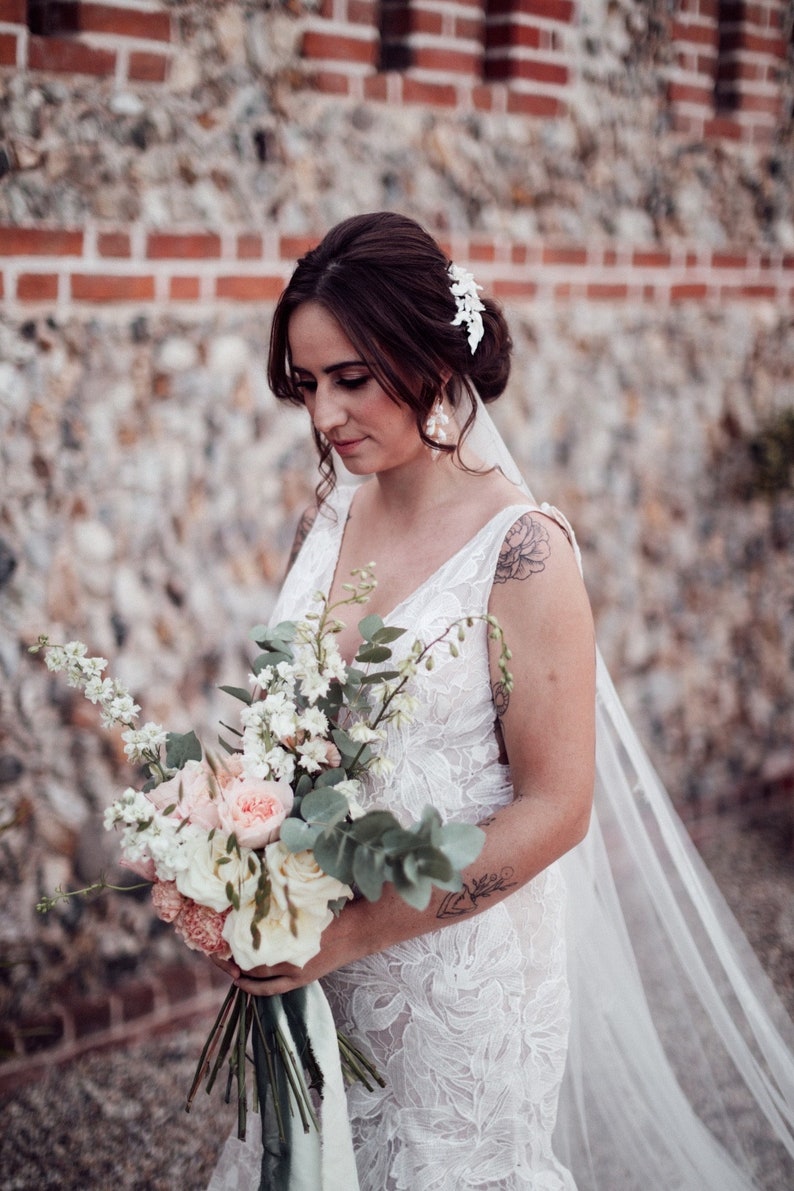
column 334, row 851
column 238, row 692
column 325, row 806
column 270, row 657
column 369, row 626
column 297, row 836
column 461, row 843
column 371, row 827
column 304, row 785
column 417, row 895
column 380, row 676
column 370, row 872
column 180, row 748
column 348, row 748
column 330, row 777
column 372, row 655
column 386, row 634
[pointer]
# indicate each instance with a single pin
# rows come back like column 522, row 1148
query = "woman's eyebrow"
column 335, row 367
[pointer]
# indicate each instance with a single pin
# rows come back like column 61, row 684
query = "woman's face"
column 368, row 430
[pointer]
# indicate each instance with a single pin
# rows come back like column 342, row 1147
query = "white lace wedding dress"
column 469, row 1023
column 680, row 1067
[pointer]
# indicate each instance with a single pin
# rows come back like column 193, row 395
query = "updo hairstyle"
column 384, row 280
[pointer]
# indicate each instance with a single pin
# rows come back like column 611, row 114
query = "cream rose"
column 277, row 944
column 298, row 875
column 209, row 868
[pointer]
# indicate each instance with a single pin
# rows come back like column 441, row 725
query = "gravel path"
column 117, row 1120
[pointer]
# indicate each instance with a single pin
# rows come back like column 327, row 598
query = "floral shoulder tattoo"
column 524, row 550
column 523, row 554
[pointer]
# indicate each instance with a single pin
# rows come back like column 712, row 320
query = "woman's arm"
column 547, row 723
column 301, row 533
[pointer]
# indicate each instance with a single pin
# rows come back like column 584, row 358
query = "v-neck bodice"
column 324, row 543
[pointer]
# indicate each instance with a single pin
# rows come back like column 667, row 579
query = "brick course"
column 240, row 268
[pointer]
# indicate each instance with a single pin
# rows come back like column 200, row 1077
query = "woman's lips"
column 345, row 446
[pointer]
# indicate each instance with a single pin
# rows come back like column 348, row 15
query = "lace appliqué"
column 469, row 1024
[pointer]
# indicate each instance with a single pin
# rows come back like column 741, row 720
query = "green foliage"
column 180, row 748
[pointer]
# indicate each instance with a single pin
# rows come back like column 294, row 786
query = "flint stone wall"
column 149, row 486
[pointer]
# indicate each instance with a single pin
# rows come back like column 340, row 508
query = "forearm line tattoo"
column 465, row 900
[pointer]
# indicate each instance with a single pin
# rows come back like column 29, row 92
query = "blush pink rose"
column 168, row 902
column 193, row 794
column 202, row 929
column 254, row 809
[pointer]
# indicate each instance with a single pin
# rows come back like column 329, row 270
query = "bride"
column 584, row 1012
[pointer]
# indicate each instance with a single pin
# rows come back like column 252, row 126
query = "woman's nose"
column 328, row 411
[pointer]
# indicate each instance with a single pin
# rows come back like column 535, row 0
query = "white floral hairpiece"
column 464, row 290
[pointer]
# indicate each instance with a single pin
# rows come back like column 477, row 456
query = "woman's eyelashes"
column 307, row 384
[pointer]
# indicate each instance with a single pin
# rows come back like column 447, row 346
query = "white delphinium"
column 381, row 766
column 402, row 709
column 361, row 733
column 116, row 703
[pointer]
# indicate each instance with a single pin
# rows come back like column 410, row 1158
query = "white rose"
column 277, row 943
column 209, row 869
column 297, row 875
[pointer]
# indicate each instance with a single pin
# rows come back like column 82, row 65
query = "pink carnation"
column 168, row 902
column 202, row 929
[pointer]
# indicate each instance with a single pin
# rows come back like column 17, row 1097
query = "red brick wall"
column 128, row 40
column 730, row 56
column 133, row 265
column 497, row 55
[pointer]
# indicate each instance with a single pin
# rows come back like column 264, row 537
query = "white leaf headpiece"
column 467, row 299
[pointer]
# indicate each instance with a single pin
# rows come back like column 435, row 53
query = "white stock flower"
column 142, row 742
column 148, row 835
column 271, row 764
column 313, row 721
column 314, row 685
column 312, row 755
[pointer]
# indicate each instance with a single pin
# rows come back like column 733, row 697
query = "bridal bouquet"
column 252, row 852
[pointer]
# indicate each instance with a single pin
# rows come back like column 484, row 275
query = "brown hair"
column 384, row 279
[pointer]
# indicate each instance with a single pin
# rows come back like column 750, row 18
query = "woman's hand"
column 338, row 948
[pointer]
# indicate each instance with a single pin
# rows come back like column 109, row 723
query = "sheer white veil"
column 681, row 1065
